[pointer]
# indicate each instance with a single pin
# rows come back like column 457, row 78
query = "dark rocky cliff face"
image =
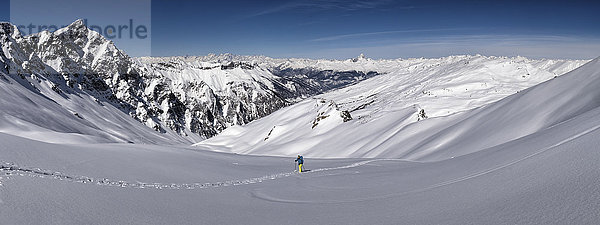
column 310, row 81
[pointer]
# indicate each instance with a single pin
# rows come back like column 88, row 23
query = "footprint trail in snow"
column 8, row 170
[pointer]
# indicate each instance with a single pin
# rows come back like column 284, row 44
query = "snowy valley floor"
column 550, row 177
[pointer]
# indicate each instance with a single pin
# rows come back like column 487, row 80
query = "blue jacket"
column 300, row 160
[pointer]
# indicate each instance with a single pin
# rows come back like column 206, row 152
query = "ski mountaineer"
column 300, row 161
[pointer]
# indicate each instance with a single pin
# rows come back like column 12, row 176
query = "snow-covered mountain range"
column 445, row 116
column 187, row 97
column 76, row 74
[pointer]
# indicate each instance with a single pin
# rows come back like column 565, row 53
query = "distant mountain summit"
column 359, row 58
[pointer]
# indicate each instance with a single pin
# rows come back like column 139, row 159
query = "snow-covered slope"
column 436, row 111
column 40, row 113
column 547, row 178
column 526, row 113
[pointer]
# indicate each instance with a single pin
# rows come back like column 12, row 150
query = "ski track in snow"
column 8, row 170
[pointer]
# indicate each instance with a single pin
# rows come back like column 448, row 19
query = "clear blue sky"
column 378, row 28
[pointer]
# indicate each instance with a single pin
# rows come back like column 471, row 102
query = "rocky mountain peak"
column 361, row 57
column 76, row 32
column 9, row 31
